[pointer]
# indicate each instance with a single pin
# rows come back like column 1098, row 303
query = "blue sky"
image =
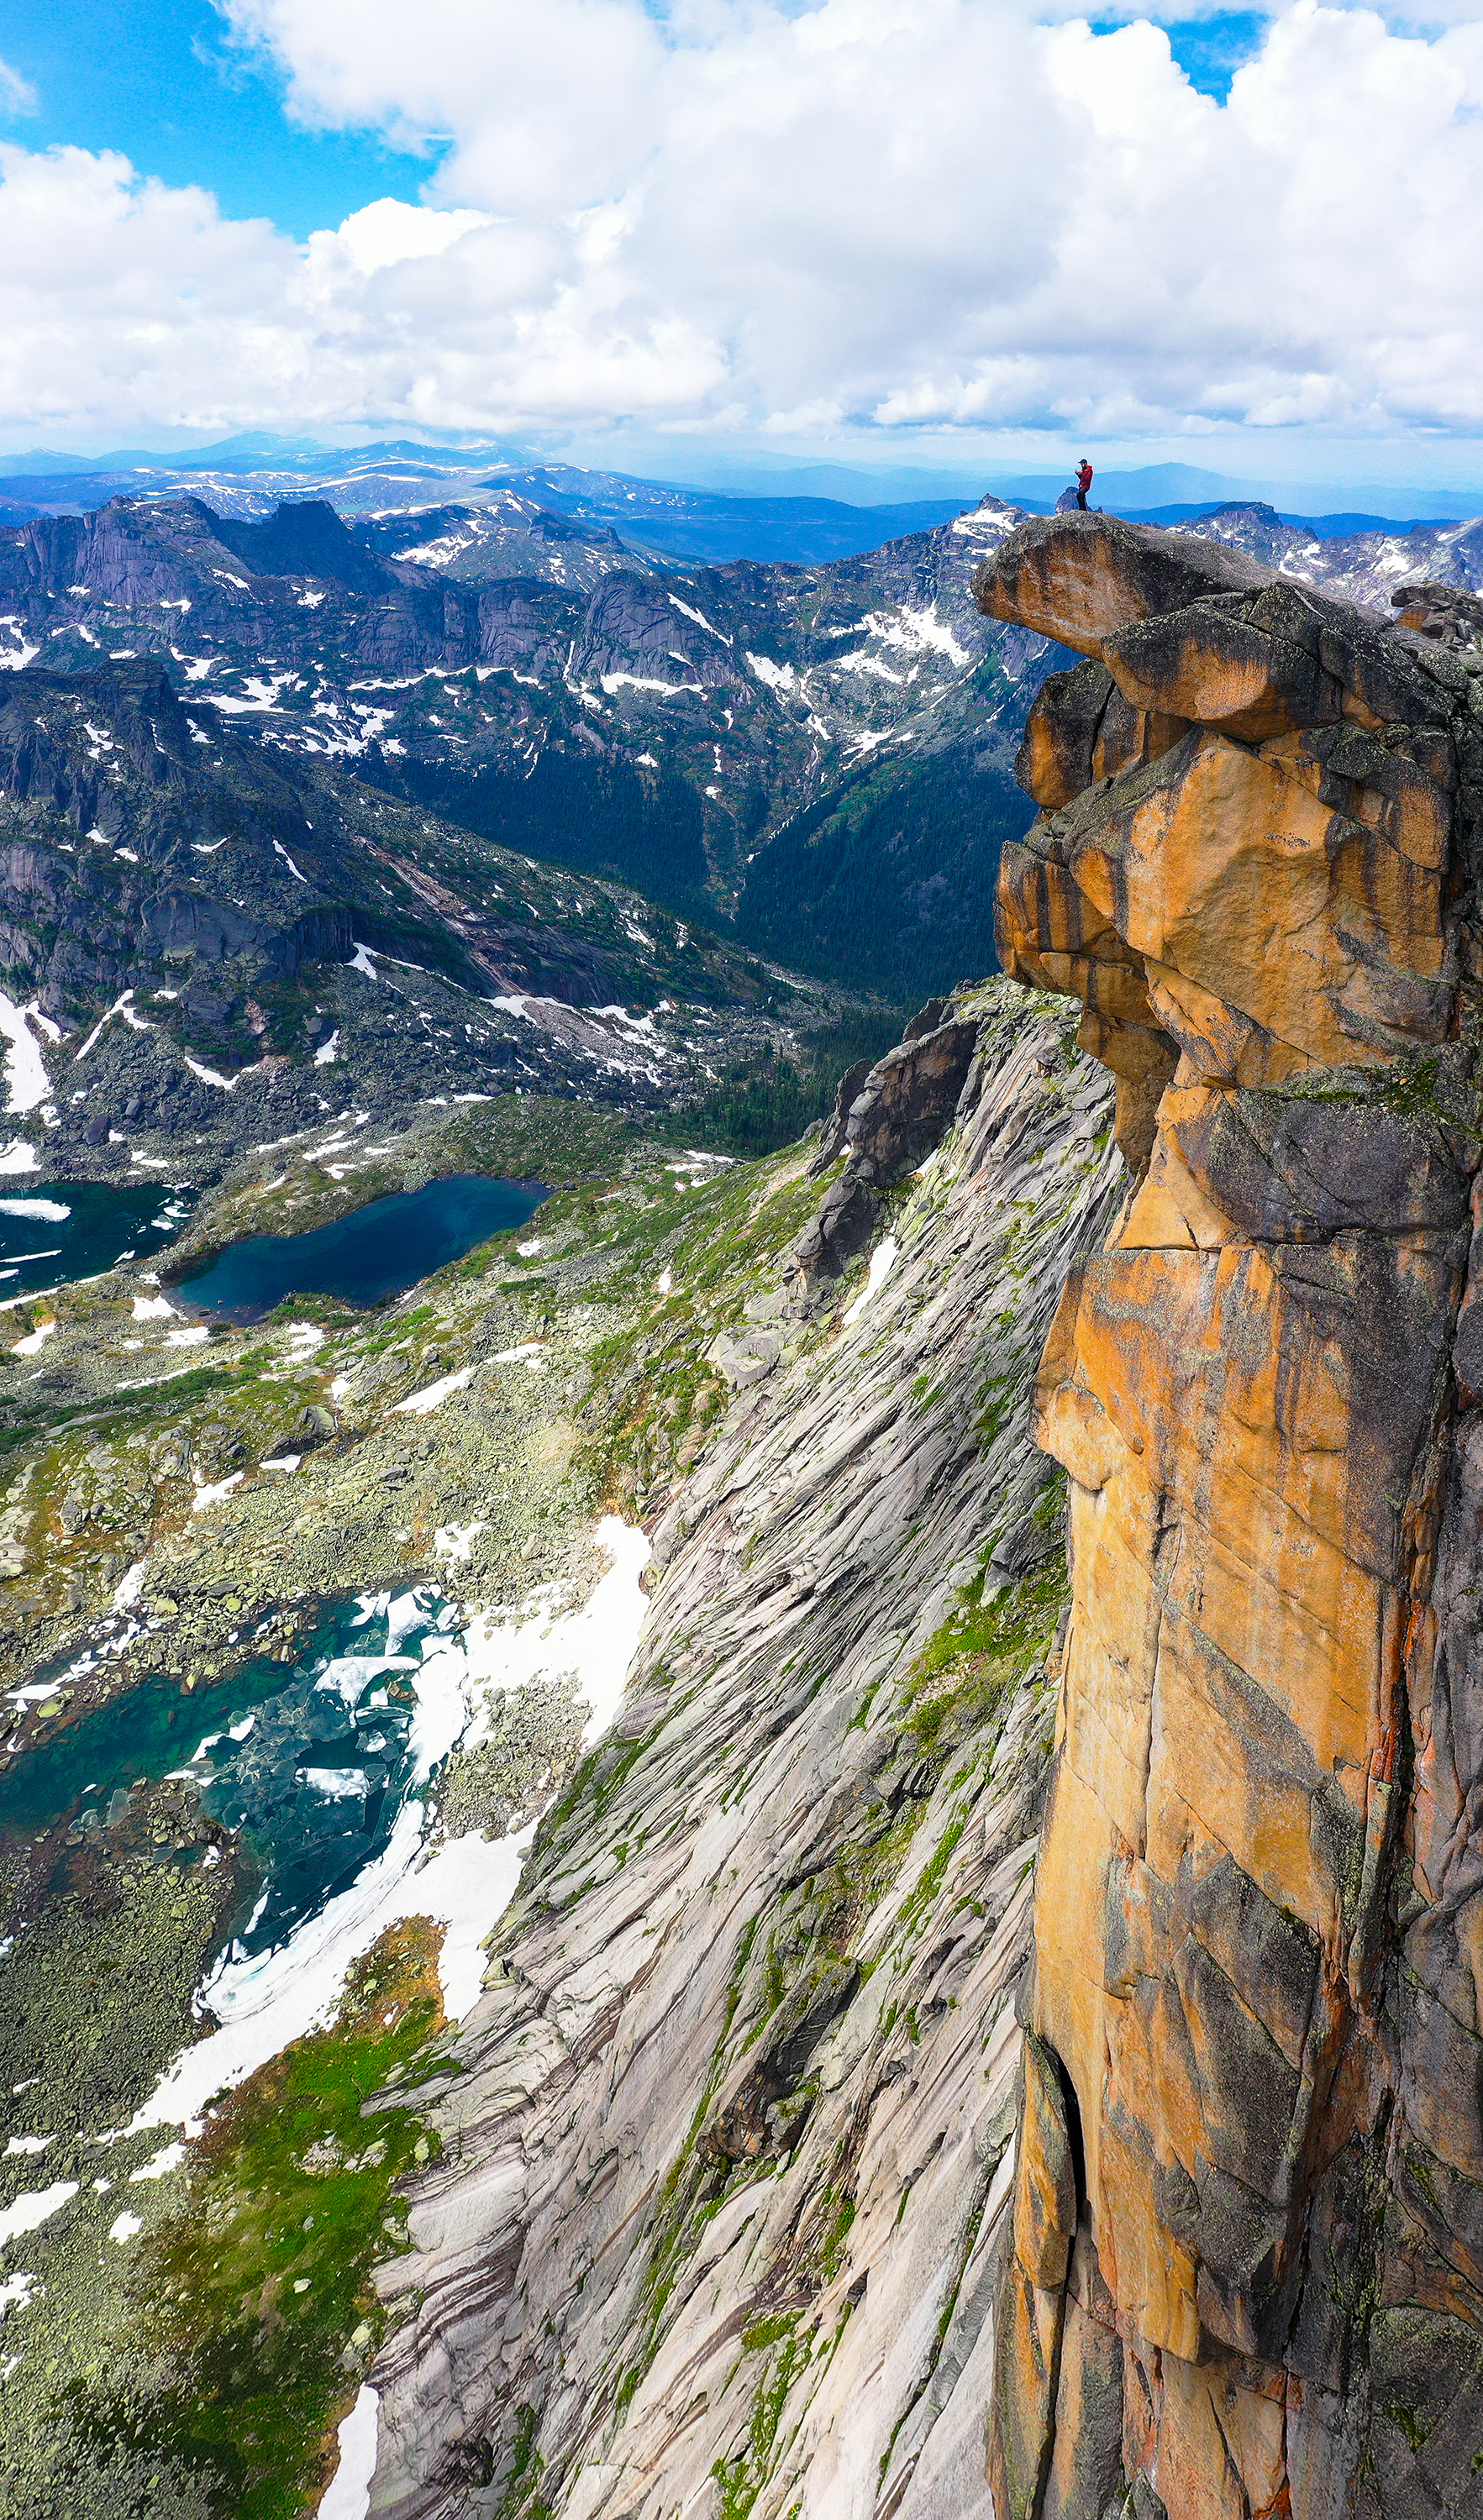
column 162, row 82
column 1209, row 50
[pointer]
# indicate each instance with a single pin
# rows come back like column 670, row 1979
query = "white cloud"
column 16, row 95
column 921, row 213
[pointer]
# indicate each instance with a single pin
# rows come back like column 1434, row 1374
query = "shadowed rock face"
column 1247, row 2274
column 886, row 1119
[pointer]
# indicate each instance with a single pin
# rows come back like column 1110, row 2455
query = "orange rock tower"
column 1247, row 2277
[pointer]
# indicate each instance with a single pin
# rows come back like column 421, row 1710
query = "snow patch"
column 35, row 2206
column 348, row 2495
column 128, row 1591
column 690, row 614
column 421, row 1404
column 882, row 1261
column 160, row 2164
column 14, row 660
column 612, row 683
column 455, row 1540
column 26, row 1076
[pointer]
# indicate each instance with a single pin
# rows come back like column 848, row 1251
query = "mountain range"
column 550, row 692
column 499, row 745
column 985, row 2024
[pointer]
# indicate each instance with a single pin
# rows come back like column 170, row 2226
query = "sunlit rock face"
column 1247, row 2276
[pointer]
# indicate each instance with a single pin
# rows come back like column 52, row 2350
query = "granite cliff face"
column 726, row 2168
column 1247, row 2266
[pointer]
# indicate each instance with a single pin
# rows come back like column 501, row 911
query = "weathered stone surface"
column 1283, row 1168
column 727, row 2174
column 1214, row 866
column 1081, row 728
column 1223, row 668
column 1259, row 1909
column 1053, row 763
column 908, row 1101
column 1079, row 580
column 1084, row 2474
column 897, row 1111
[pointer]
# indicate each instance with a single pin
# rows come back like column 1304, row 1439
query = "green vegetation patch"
column 653, row 1395
column 254, row 2307
column 968, row 1672
column 741, row 2480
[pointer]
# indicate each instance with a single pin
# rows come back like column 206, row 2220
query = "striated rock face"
column 1247, row 2276
column 727, row 2169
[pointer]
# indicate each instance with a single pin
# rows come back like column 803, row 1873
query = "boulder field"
column 1246, row 2272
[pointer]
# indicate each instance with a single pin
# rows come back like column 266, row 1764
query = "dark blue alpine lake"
column 53, row 1233
column 375, row 1252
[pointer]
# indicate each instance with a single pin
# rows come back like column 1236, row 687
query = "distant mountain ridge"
column 820, row 759
column 530, row 678
column 249, row 477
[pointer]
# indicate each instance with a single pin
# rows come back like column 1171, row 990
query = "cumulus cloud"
column 911, row 212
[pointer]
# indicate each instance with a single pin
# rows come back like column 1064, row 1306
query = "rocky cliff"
column 726, row 2165
column 1247, row 2266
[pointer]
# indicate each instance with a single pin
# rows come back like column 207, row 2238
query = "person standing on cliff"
column 1083, row 482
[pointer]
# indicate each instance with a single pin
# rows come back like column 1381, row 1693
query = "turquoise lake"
column 376, row 1253
column 311, row 1760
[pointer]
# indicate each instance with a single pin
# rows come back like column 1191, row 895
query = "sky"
column 902, row 232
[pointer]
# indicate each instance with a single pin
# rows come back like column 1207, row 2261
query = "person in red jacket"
column 1083, row 482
